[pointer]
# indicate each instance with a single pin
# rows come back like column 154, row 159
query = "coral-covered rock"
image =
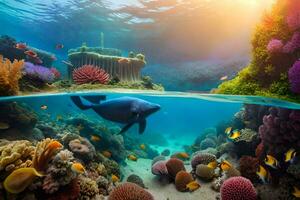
column 207, row 143
column 182, row 179
column 82, row 149
column 130, row 191
column 294, row 77
column 238, row 188
column 90, row 74
column 174, row 165
column 133, row 178
column 205, row 172
column 159, row 168
column 248, row 168
column 88, row 188
column 202, row 158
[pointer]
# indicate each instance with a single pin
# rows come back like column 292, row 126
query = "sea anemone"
column 130, row 191
column 182, row 179
column 174, row 165
column 90, row 74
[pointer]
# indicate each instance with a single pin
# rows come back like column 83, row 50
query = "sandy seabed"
column 163, row 190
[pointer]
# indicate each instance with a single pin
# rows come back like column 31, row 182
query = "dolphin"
column 124, row 110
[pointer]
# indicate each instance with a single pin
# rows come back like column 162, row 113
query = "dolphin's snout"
column 156, row 107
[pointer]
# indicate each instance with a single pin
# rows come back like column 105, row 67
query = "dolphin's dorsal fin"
column 125, row 128
column 95, row 99
column 142, row 126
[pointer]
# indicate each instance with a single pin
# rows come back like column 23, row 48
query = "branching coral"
column 129, row 191
column 10, row 73
column 90, row 74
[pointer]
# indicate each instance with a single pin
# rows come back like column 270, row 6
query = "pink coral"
column 238, row 188
column 55, row 72
column 130, row 191
column 159, row 168
column 275, row 46
column 90, row 74
column 293, row 16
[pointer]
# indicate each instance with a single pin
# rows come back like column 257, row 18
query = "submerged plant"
column 90, row 74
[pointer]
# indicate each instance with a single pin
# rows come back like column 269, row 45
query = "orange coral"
column 182, row 179
column 10, row 73
column 174, row 165
column 44, row 152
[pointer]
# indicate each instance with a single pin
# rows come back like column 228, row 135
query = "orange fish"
column 31, row 53
column 55, row 145
column 78, row 167
column 114, row 178
column 225, row 165
column 132, row 157
column 123, row 61
column 21, row 46
column 192, row 186
column 95, row 138
column 107, row 154
column 183, row 155
column 143, row 146
column 59, row 46
column 44, row 107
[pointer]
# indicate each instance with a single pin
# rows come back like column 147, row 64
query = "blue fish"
column 124, row 110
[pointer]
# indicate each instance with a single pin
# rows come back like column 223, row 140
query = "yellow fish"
column 290, row 155
column 143, row 146
column 59, row 117
column 234, row 135
column 271, row 161
column 225, row 165
column 296, row 192
column 107, row 154
column 192, row 186
column 44, row 107
column 262, row 173
column 95, row 138
column 212, row 165
column 4, row 125
column 228, row 130
column 132, row 157
column 78, row 167
column 114, row 178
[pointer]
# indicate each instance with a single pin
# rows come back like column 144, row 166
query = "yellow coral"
column 15, row 155
column 10, row 73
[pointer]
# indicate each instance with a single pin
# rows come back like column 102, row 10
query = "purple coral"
column 38, row 72
column 294, row 77
column 280, row 130
column 292, row 45
column 275, row 46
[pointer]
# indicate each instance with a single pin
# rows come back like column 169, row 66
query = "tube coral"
column 294, row 77
column 10, row 73
column 90, row 74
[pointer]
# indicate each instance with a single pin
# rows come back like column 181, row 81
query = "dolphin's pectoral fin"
column 142, row 126
column 125, row 128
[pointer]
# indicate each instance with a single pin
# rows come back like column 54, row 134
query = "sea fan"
column 90, row 74
column 294, row 77
column 38, row 72
column 275, row 46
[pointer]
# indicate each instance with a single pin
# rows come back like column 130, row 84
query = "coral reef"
column 133, row 178
column 205, row 172
column 88, row 188
column 10, row 73
column 38, row 73
column 129, row 191
column 157, row 159
column 202, row 158
column 248, row 167
column 174, row 165
column 82, row 149
column 207, row 143
column 238, row 188
column 90, row 74
column 275, row 46
column 182, row 179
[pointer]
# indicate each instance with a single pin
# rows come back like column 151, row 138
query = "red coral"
column 259, row 150
column 68, row 192
column 248, row 168
column 129, row 191
column 90, row 74
column 55, row 72
column 174, row 165
column 238, row 188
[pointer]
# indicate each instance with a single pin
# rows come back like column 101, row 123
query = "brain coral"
column 130, row 191
column 174, row 165
column 90, row 74
column 133, row 178
column 207, row 143
column 202, row 171
column 238, row 188
column 182, row 179
column 202, row 158
column 159, row 168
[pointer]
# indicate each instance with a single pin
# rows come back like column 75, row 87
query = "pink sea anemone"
column 90, row 74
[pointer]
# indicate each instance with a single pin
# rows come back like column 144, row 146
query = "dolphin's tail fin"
column 77, row 101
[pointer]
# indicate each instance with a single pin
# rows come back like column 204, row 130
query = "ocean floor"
column 163, row 190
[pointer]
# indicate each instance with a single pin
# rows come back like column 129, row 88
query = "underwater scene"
column 149, row 100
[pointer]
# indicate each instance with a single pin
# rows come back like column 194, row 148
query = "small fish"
column 225, row 165
column 123, row 61
column 290, row 155
column 213, row 165
column 78, row 168
column 228, row 130
column 4, row 126
column 21, row 46
column 114, row 178
column 132, row 157
column 44, row 107
column 234, row 135
column 59, row 46
column 262, row 173
column 183, row 155
column 59, row 118
column 296, row 192
column 192, row 186
column 223, row 78
column 272, row 162
column 106, row 153
column 143, row 146
column 95, row 138
column 31, row 53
